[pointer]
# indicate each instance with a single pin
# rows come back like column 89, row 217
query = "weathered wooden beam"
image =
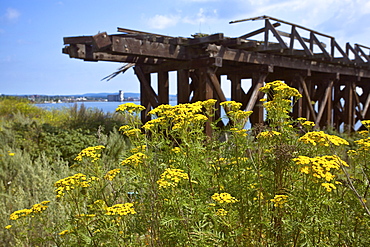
column 315, row 40
column 163, row 87
column 325, row 102
column 216, row 84
column 218, row 37
column 131, row 31
column 308, row 99
column 285, row 62
column 149, row 96
column 183, row 86
column 261, row 30
column 103, row 56
column 276, row 34
column 134, row 46
column 366, row 107
column 78, row 40
column 101, row 40
column 237, row 92
column 295, row 35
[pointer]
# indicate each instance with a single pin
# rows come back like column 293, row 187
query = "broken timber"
column 334, row 82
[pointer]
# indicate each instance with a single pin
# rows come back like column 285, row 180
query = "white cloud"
column 12, row 14
column 162, row 21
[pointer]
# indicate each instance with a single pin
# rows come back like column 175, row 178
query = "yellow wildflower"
column 130, row 108
column 72, row 182
column 171, row 177
column 112, row 174
column 221, row 212
column 322, row 139
column 268, row 134
column 8, row 226
column 279, row 200
column 94, row 153
column 223, row 197
column 134, row 159
column 121, row 209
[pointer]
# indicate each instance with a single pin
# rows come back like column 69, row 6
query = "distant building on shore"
column 116, row 97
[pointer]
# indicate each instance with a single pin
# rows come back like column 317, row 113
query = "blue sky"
column 32, row 31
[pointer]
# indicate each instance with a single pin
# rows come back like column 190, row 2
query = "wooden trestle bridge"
column 334, row 81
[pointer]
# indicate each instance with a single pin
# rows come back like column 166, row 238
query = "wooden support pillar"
column 183, row 86
column 323, row 117
column 297, row 108
column 205, row 92
column 310, row 111
column 216, row 85
column 148, row 97
column 163, row 88
column 349, row 110
column 337, row 105
column 366, row 102
column 205, row 85
column 237, row 92
column 254, row 104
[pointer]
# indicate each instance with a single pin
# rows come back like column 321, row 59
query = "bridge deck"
column 337, row 80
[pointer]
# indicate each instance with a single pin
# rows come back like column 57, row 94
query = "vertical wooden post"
column 258, row 80
column 297, row 108
column 205, row 92
column 337, row 105
column 365, row 100
column 163, row 88
column 236, row 87
column 183, row 86
column 148, row 97
column 349, row 107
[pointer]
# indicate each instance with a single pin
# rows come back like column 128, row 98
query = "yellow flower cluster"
column 320, row 167
column 279, row 200
column 92, row 152
column 36, row 209
column 8, row 227
column 112, row 174
column 138, row 149
column 241, row 132
column 121, row 209
column 308, row 124
column 223, row 198
column 180, row 116
column 364, row 144
column 130, row 108
column 72, row 182
column 171, row 177
column 134, row 159
column 280, row 90
column 268, row 134
column 329, row 186
column 132, row 132
column 322, row 139
column 10, row 153
column 231, row 106
column 221, row 212
column 366, row 123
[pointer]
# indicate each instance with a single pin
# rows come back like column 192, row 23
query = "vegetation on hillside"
column 166, row 183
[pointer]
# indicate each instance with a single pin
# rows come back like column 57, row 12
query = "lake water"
column 101, row 105
column 107, row 107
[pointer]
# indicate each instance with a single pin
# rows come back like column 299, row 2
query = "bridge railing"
column 351, row 55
